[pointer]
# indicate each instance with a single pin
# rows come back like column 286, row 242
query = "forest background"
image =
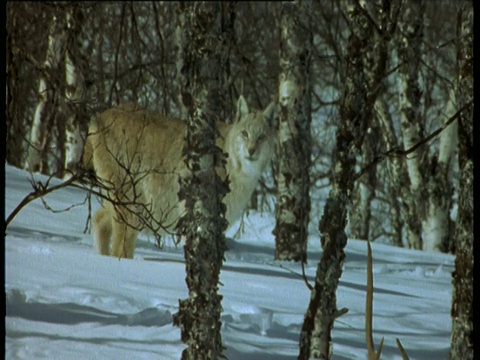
column 412, row 166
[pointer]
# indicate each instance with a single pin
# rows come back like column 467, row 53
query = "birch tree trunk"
column 430, row 193
column 204, row 223
column 462, row 304
column 364, row 192
column 43, row 121
column 400, row 189
column 74, row 90
column 294, row 138
column 437, row 227
column 409, row 52
column 365, row 69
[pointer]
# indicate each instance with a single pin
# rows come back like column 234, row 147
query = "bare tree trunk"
column 361, row 213
column 365, row 69
column 182, row 63
column 462, row 303
column 74, row 90
column 437, row 227
column 14, row 148
column 400, row 190
column 43, row 122
column 204, row 223
column 429, row 199
column 409, row 51
column 294, row 138
column 101, row 93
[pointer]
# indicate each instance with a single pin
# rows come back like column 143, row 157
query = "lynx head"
column 253, row 137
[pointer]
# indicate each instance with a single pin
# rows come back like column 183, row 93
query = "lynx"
column 137, row 157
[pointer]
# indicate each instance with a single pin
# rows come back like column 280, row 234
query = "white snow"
column 63, row 301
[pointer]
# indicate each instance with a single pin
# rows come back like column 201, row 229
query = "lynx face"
column 253, row 141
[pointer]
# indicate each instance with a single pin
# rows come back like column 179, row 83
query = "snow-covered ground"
column 63, row 301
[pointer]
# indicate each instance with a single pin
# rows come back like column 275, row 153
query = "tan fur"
column 137, row 156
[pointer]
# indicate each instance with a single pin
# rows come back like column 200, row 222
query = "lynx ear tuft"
column 242, row 107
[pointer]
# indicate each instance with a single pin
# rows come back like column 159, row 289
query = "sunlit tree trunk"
column 430, row 178
column 462, row 304
column 437, row 227
column 204, row 223
column 44, row 118
column 294, row 138
column 364, row 71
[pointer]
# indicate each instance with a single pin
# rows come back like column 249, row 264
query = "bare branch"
column 372, row 355
column 310, row 287
column 397, row 152
column 303, row 275
column 40, row 190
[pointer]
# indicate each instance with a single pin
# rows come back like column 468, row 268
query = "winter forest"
column 368, row 111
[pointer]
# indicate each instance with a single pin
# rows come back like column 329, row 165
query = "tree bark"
column 437, row 227
column 74, row 90
column 462, row 303
column 364, row 193
column 14, row 148
column 365, row 69
column 294, row 138
column 44, row 118
column 400, row 190
column 202, row 190
column 409, row 52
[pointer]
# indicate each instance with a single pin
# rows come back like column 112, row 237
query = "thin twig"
column 402, row 350
column 304, row 275
column 39, row 191
column 372, row 355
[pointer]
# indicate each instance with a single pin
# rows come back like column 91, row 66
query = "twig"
column 303, row 275
column 310, row 287
column 39, row 191
column 68, row 208
column 372, row 355
column 402, row 350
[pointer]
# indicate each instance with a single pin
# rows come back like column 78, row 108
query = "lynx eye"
column 261, row 137
column 244, row 134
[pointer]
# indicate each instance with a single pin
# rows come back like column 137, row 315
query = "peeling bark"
column 462, row 303
column 294, row 138
column 204, row 223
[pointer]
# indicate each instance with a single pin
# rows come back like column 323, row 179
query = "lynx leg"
column 102, row 230
column 124, row 238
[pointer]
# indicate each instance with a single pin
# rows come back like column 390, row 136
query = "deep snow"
column 63, row 301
